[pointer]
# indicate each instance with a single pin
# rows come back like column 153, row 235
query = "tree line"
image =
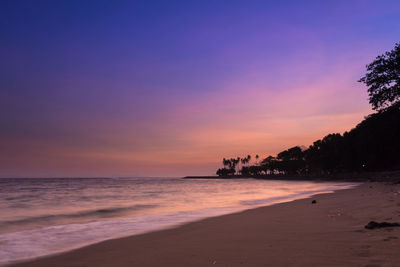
column 373, row 145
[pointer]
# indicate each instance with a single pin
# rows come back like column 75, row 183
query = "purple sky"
column 132, row 88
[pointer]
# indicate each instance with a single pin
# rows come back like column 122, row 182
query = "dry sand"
column 328, row 233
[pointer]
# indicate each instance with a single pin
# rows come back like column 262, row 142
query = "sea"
column 43, row 216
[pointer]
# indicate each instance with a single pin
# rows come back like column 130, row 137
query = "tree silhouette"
column 245, row 160
column 224, row 172
column 326, row 156
column 373, row 145
column 237, row 163
column 226, row 163
column 269, row 165
column 383, row 79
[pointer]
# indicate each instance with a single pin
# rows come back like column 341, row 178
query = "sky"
column 169, row 88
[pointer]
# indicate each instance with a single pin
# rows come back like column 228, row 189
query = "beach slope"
column 328, row 233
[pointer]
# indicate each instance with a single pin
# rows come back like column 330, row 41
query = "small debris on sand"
column 374, row 225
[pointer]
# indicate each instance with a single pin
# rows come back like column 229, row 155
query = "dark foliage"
column 291, row 161
column 373, row 145
column 224, row 172
column 383, row 79
column 325, row 156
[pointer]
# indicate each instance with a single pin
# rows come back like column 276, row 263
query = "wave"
column 28, row 244
column 20, row 197
column 104, row 212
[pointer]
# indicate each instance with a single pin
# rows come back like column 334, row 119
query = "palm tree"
column 243, row 161
column 226, row 162
column 237, row 161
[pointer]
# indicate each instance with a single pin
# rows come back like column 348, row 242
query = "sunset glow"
column 169, row 89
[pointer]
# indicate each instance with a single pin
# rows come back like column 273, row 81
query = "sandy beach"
column 328, row 233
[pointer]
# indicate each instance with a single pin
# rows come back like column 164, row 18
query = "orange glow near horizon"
column 174, row 88
column 191, row 139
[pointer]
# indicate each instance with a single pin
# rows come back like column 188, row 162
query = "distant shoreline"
column 384, row 176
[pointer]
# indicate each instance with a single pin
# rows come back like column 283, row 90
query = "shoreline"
column 326, row 232
column 381, row 176
column 212, row 213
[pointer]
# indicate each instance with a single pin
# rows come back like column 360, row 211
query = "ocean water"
column 42, row 216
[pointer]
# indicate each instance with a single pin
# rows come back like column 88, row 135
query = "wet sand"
column 299, row 233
